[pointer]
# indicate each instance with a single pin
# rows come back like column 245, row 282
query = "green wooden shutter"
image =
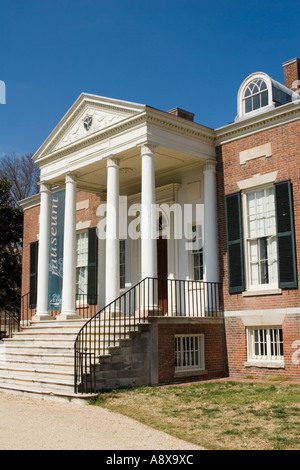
column 92, row 266
column 234, row 242
column 33, row 274
column 287, row 272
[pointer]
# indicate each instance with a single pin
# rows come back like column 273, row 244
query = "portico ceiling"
column 96, row 128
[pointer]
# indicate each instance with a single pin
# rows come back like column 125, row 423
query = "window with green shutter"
column 92, row 265
column 286, row 236
column 234, row 242
column 269, row 260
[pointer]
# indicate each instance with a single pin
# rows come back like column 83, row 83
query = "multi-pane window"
column 81, row 267
column 265, row 344
column 261, row 237
column 197, row 253
column 256, row 95
column 122, row 264
column 189, row 352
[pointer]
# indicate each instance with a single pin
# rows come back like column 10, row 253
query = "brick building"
column 259, row 226
column 203, row 286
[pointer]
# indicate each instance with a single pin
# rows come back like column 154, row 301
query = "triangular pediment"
column 89, row 115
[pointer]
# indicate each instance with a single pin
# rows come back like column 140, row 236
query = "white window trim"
column 260, row 289
column 268, row 361
column 200, row 366
column 80, row 302
column 241, row 110
column 192, row 255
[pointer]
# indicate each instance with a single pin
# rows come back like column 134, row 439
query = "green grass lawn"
column 217, row 415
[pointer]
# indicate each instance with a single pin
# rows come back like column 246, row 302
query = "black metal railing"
column 150, row 297
column 10, row 319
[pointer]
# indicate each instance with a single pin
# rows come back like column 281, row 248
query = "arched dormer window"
column 255, row 95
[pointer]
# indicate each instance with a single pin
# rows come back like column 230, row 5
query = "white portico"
column 115, row 148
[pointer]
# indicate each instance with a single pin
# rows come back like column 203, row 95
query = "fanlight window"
column 256, row 95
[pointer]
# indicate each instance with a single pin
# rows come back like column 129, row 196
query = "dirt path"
column 35, row 424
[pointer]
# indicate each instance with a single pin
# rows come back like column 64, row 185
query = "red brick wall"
column 215, row 349
column 285, row 158
column 237, row 350
column 84, row 215
column 292, row 74
column 30, row 232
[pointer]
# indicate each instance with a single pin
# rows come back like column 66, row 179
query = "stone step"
column 46, row 394
column 39, row 356
column 24, row 370
column 40, row 341
column 69, row 335
column 29, row 348
column 36, row 365
column 38, row 380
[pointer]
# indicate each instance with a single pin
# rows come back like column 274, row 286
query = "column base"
column 64, row 316
column 42, row 317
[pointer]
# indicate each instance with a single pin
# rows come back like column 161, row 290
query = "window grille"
column 265, row 344
column 262, row 237
column 256, row 95
column 81, row 266
column 189, row 352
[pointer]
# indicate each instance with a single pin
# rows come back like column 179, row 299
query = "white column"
column 112, row 232
column 210, row 224
column 148, row 225
column 101, row 255
column 68, row 311
column 42, row 312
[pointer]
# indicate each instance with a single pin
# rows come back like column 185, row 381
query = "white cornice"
column 93, row 139
column 281, row 115
column 72, row 114
column 30, row 202
column 149, row 116
column 33, row 201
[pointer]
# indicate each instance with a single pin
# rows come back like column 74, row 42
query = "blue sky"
column 192, row 54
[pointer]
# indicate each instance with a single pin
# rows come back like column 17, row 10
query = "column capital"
column 70, row 178
column 210, row 166
column 147, row 148
column 45, row 187
column 112, row 162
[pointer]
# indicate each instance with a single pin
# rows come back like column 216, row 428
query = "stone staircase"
column 39, row 361
column 128, row 363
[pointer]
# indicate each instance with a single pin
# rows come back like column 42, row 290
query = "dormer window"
column 256, row 95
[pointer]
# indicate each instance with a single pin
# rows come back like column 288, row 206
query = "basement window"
column 189, row 353
column 265, row 347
